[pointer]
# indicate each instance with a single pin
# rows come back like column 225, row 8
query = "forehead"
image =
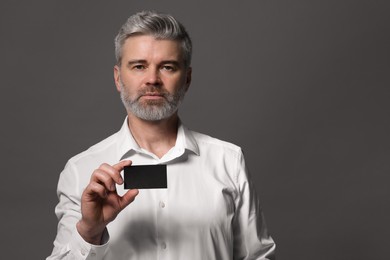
column 147, row 47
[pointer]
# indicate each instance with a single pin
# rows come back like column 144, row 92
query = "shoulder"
column 223, row 158
column 78, row 169
column 207, row 142
column 102, row 149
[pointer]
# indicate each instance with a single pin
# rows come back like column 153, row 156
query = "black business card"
column 145, row 177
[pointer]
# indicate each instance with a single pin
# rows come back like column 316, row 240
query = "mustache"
column 152, row 91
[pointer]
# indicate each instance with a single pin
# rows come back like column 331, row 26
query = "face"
column 152, row 78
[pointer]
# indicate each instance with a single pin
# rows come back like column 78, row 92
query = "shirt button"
column 162, row 204
column 93, row 254
column 83, row 252
column 163, row 245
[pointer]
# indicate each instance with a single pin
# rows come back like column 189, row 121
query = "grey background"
column 302, row 86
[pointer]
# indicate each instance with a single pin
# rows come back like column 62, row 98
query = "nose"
column 153, row 77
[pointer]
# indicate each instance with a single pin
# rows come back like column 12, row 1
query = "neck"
column 157, row 137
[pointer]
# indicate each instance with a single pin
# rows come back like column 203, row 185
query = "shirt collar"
column 127, row 145
column 186, row 140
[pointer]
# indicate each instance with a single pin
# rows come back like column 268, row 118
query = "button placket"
column 162, row 218
column 83, row 252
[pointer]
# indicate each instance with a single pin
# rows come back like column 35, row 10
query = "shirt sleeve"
column 251, row 238
column 68, row 243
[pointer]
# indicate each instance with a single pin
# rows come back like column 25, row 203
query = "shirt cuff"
column 84, row 250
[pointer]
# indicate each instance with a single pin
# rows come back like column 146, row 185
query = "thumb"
column 128, row 198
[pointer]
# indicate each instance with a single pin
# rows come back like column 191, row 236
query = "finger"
column 113, row 172
column 119, row 167
column 95, row 189
column 103, row 177
column 128, row 197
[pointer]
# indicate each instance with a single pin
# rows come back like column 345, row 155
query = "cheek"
column 128, row 80
column 130, row 85
column 176, row 82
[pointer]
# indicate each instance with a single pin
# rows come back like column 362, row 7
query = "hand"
column 100, row 203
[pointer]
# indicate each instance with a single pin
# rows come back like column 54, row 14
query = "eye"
column 139, row 67
column 169, row 68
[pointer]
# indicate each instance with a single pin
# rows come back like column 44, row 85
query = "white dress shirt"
column 209, row 210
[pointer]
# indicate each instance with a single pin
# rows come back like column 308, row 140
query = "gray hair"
column 160, row 26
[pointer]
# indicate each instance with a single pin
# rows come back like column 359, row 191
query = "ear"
column 117, row 78
column 188, row 78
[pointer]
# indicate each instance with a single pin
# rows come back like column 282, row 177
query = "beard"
column 152, row 110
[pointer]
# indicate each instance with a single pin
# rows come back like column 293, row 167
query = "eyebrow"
column 132, row 62
column 174, row 62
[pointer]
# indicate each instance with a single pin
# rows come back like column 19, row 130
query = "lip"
column 152, row 96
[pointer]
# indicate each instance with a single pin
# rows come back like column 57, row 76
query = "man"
column 209, row 209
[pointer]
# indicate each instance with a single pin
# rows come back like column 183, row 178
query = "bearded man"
column 208, row 209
